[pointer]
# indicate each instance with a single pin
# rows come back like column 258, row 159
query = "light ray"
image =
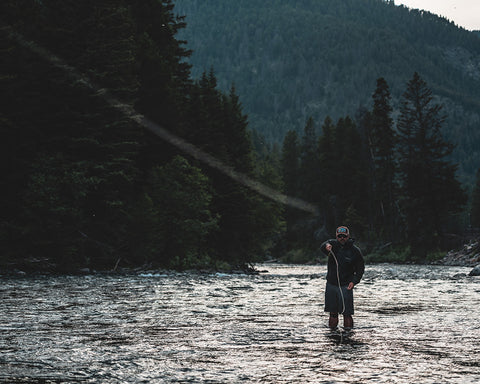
column 129, row 112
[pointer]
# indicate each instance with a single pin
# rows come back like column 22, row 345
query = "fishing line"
column 341, row 292
column 338, row 279
column 129, row 112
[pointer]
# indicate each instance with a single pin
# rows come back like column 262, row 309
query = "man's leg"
column 347, row 321
column 333, row 320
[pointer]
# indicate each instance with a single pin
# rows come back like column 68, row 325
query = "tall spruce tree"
column 309, row 180
column 83, row 168
column 235, row 203
column 109, row 59
column 328, row 172
column 270, row 215
column 309, row 184
column 182, row 219
column 221, row 128
column 430, row 191
column 207, row 117
column 351, row 177
column 164, row 73
column 382, row 142
column 290, row 164
column 475, row 208
column 21, row 81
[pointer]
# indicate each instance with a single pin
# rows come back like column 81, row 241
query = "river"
column 413, row 324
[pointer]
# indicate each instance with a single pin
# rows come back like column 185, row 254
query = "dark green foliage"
column 349, row 181
column 181, row 219
column 330, row 171
column 389, row 187
column 430, row 191
column 271, row 215
column 290, row 165
column 164, row 74
column 81, row 162
column 475, row 210
column 382, row 143
column 301, row 230
column 246, row 222
column 83, row 185
column 308, row 171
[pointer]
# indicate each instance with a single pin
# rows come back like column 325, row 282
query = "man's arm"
column 359, row 268
column 326, row 247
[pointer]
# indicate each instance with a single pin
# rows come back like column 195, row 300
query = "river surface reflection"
column 413, row 324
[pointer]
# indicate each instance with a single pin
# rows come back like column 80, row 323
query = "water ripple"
column 412, row 324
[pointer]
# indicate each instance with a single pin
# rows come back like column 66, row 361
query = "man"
column 345, row 270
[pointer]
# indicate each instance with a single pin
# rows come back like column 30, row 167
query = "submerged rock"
column 475, row 271
column 458, row 276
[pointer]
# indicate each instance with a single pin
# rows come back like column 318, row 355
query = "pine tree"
column 81, row 177
column 328, row 173
column 309, row 186
column 308, row 171
column 21, row 79
column 164, row 73
column 430, row 191
column 475, row 209
column 290, row 164
column 234, row 202
column 270, row 215
column 208, row 117
column 239, row 143
column 221, row 129
column 382, row 141
column 182, row 218
column 351, row 180
column 328, row 154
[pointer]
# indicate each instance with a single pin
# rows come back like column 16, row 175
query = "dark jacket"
column 350, row 262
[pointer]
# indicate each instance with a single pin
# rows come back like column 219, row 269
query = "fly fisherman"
column 345, row 270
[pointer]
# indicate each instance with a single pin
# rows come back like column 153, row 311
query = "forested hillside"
column 295, row 59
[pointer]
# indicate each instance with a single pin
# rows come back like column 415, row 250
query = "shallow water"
column 412, row 324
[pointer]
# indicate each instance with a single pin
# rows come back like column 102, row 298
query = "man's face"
column 342, row 238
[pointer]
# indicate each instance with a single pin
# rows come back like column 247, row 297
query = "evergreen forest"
column 116, row 156
column 295, row 59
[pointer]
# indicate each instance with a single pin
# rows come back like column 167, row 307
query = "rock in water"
column 458, row 276
column 475, row 271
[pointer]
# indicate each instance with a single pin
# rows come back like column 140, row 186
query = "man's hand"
column 350, row 286
column 328, row 247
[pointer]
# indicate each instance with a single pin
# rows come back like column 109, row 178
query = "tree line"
column 393, row 184
column 84, row 185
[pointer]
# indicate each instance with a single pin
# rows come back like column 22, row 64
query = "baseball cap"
column 343, row 230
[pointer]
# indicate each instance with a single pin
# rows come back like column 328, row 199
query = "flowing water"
column 413, row 324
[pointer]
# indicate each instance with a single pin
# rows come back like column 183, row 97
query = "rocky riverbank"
column 468, row 256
